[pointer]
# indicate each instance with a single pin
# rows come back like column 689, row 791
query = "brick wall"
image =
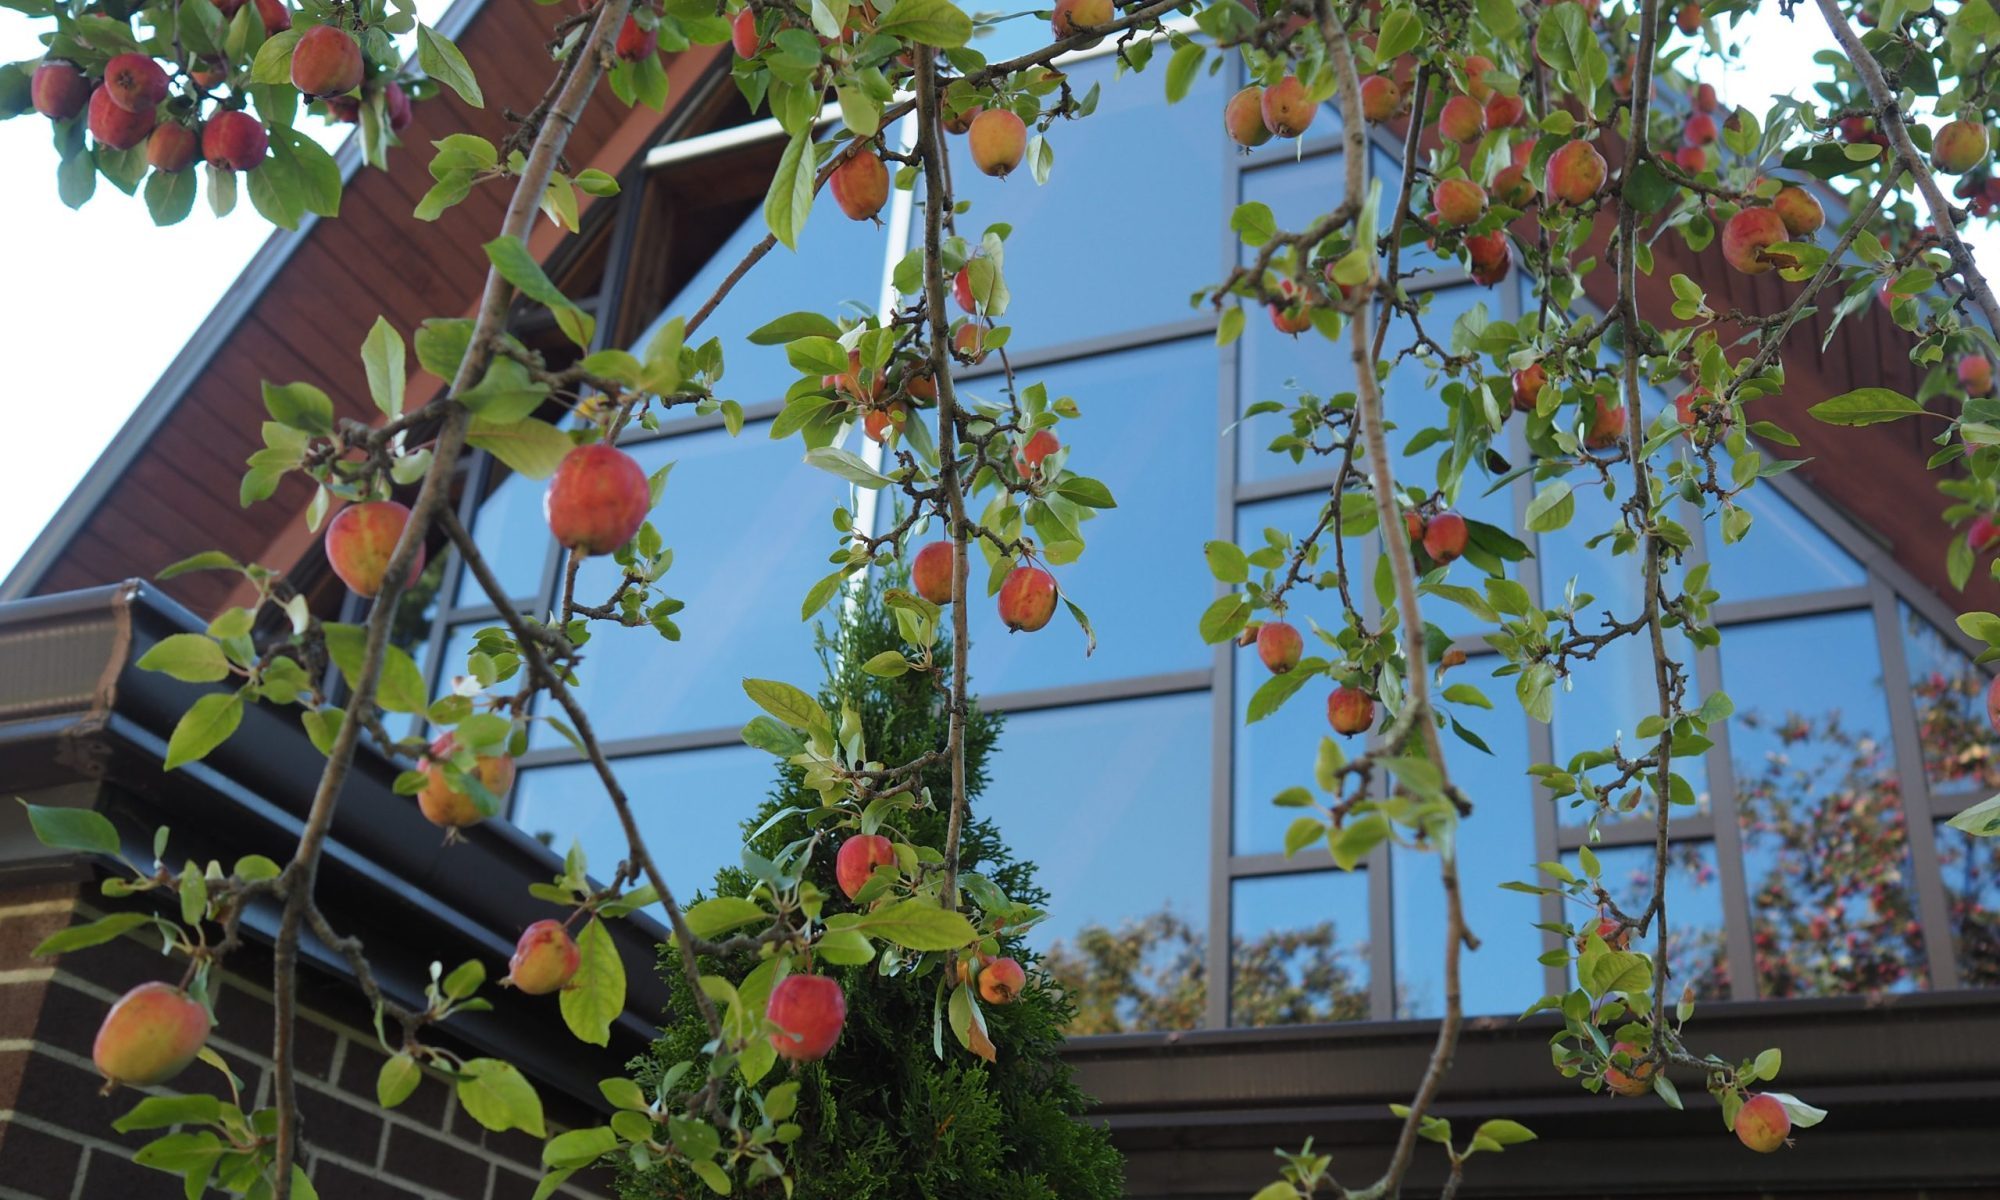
column 56, row 1140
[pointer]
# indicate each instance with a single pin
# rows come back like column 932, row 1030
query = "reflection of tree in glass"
column 1971, row 868
column 1150, row 974
column 1823, row 818
column 411, row 627
column 1951, row 713
column 1696, row 954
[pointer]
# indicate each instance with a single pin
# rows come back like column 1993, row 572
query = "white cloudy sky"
column 99, row 301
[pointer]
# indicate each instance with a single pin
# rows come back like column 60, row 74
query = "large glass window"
column 1949, row 695
column 513, row 538
column 1971, row 868
column 1298, row 948
column 1147, row 432
column 1785, row 554
column 1498, row 846
column 1110, row 802
column 1697, row 951
column 690, row 807
column 1127, row 229
column 1825, row 849
column 749, row 526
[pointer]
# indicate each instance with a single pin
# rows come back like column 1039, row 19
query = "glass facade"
column 1813, row 861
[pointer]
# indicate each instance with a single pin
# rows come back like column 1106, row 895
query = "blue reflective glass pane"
column 1147, row 433
column 1785, row 553
column 1496, row 845
column 458, row 642
column 1697, row 946
column 1278, row 751
column 1607, row 699
column 1005, row 35
column 838, row 267
column 1111, row 804
column 1298, row 948
column 1971, row 869
column 513, row 538
column 690, row 806
column 1826, row 853
column 750, row 527
column 1069, row 266
column 1949, row 693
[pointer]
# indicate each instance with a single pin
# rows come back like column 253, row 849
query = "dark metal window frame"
column 1887, row 585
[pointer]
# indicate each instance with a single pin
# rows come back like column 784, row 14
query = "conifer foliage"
column 900, row 1111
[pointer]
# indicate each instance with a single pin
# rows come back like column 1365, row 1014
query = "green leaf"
column 917, row 924
column 847, row 465
column 206, row 725
column 1226, row 562
column 1181, row 69
column 596, row 995
column 787, row 703
column 579, row 1147
column 793, row 326
column 722, row 914
column 937, row 23
column 396, row 1080
column 1768, row 1063
column 383, row 355
column 98, row 932
column 273, row 63
column 442, row 62
column 1865, row 406
column 1617, row 971
column 1981, row 820
column 1273, row 692
column 188, row 657
column 623, row 1093
column 531, row 447
column 159, row 1112
column 498, row 1096
column 1353, row 841
column 299, row 406
column 72, row 828
column 1503, row 1132
column 1551, row 509
column 789, row 201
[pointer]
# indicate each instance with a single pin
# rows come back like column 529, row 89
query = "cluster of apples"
column 1028, row 595
column 131, row 102
column 1604, row 415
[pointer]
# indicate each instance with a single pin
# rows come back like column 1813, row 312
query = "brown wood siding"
column 179, row 496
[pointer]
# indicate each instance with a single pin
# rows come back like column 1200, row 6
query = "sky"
column 102, row 300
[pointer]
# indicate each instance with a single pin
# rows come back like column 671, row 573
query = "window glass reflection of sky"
column 513, row 538
column 838, row 266
column 1278, row 751
column 1111, row 804
column 750, row 528
column 690, row 806
column 1147, row 432
column 1496, row 844
column 1784, row 553
column 1081, row 264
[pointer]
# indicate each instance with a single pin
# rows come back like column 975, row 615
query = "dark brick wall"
column 56, row 1140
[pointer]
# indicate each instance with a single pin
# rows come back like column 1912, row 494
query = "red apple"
column 808, row 1011
column 1638, row 1081
column 1027, row 599
column 1488, row 255
column 326, row 62
column 635, row 41
column 743, row 33
column 1704, row 97
column 1607, row 423
column 135, row 83
column 1983, row 532
column 1975, row 374
column 1350, row 710
column 1445, row 537
column 172, row 148
column 1001, row 981
column 1381, row 99
column 597, row 499
column 453, row 808
column 1504, row 111
column 544, row 961
column 1279, row 645
column 1528, row 384
column 1074, row 16
column 1575, row 173
column 1958, row 147
column 234, row 140
column 1699, row 130
column 59, row 90
column 930, row 572
column 998, row 141
column 1458, row 202
column 1461, row 119
column 360, row 540
column 150, row 1035
column 115, row 128
column 1476, row 66
column 1028, row 458
column 276, row 16
column 1243, row 118
column 858, row 858
column 1763, row 1124
column 860, row 185
column 1747, row 234
column 396, row 103
column 1293, row 317
column 1287, row 107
